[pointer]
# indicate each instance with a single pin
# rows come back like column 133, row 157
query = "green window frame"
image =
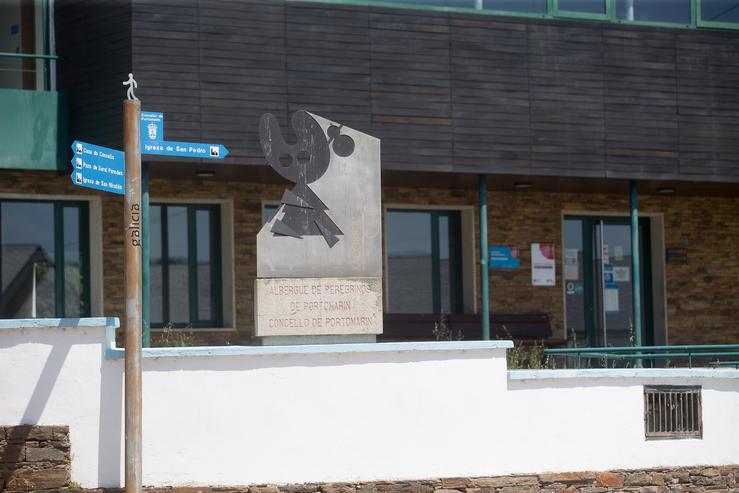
column 214, row 234
column 553, row 11
column 60, row 275
column 454, row 222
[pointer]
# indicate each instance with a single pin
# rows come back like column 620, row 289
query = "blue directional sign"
column 184, row 149
column 153, row 143
column 98, row 167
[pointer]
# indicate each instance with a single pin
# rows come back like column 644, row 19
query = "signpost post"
column 132, row 210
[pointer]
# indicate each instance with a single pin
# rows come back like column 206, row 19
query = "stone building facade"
column 700, row 289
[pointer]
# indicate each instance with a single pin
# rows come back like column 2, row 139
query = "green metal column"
column 485, row 309
column 635, row 264
column 145, row 267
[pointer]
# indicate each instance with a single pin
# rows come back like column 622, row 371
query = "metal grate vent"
column 672, row 411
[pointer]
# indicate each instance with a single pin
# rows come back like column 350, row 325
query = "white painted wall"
column 241, row 415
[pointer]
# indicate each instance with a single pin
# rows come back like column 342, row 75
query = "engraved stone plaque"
column 318, row 306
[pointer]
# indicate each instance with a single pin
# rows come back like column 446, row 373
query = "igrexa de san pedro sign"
column 319, row 260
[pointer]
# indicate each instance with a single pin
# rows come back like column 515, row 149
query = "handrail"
column 28, row 55
column 628, row 349
column 685, row 351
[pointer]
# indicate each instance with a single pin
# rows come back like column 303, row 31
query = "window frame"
column 83, row 208
column 217, row 307
column 455, row 228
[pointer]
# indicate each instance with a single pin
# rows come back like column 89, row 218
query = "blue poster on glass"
column 504, row 257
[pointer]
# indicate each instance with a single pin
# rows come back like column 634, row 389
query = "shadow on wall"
column 111, row 400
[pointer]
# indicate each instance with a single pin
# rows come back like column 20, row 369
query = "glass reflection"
column 409, row 262
column 179, row 292
column 720, row 10
column 28, row 260
column 583, row 6
column 525, row 6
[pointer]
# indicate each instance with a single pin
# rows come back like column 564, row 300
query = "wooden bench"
column 524, row 328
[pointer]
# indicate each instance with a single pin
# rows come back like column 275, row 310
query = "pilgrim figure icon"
column 131, row 83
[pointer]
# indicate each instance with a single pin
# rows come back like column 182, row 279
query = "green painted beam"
column 33, row 130
column 484, row 283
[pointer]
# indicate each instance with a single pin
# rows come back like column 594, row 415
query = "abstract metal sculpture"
column 304, row 162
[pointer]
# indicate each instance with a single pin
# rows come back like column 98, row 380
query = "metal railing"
column 713, row 355
column 42, row 66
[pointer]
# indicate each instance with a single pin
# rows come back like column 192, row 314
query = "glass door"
column 599, row 281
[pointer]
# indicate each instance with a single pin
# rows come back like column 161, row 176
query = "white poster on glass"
column 542, row 264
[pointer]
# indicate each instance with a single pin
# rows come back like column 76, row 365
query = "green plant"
column 176, row 337
column 74, row 485
column 442, row 331
column 526, row 357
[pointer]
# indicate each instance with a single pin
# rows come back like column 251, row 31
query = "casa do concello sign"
column 102, row 168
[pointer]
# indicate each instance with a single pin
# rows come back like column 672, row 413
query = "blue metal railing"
column 719, row 354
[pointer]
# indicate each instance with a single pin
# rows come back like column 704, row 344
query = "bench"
column 523, row 328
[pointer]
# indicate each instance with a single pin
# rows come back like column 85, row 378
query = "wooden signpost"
column 132, row 217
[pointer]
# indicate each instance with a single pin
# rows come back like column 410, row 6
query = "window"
column 679, row 13
column 668, row 11
column 268, row 211
column 581, row 8
column 672, row 411
column 424, row 262
column 718, row 13
column 44, row 267
column 523, row 6
column 23, row 30
column 185, row 259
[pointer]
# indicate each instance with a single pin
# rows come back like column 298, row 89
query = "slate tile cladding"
column 34, row 458
column 701, row 291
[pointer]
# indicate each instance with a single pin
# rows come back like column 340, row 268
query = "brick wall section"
column 700, row 293
column 34, row 458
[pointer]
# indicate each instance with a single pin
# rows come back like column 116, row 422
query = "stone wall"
column 34, row 458
column 724, row 479
column 700, row 291
column 37, row 458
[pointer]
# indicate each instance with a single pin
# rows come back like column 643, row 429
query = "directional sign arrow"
column 184, row 149
column 98, row 167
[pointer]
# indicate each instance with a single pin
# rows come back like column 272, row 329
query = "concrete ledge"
column 623, row 373
column 59, row 323
column 384, row 347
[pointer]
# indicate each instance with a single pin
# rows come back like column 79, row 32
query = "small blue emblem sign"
column 153, row 143
column 98, row 167
column 152, row 127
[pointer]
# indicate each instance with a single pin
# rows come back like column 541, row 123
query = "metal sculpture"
column 304, row 214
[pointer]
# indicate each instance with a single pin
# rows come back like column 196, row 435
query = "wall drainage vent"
column 672, row 412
